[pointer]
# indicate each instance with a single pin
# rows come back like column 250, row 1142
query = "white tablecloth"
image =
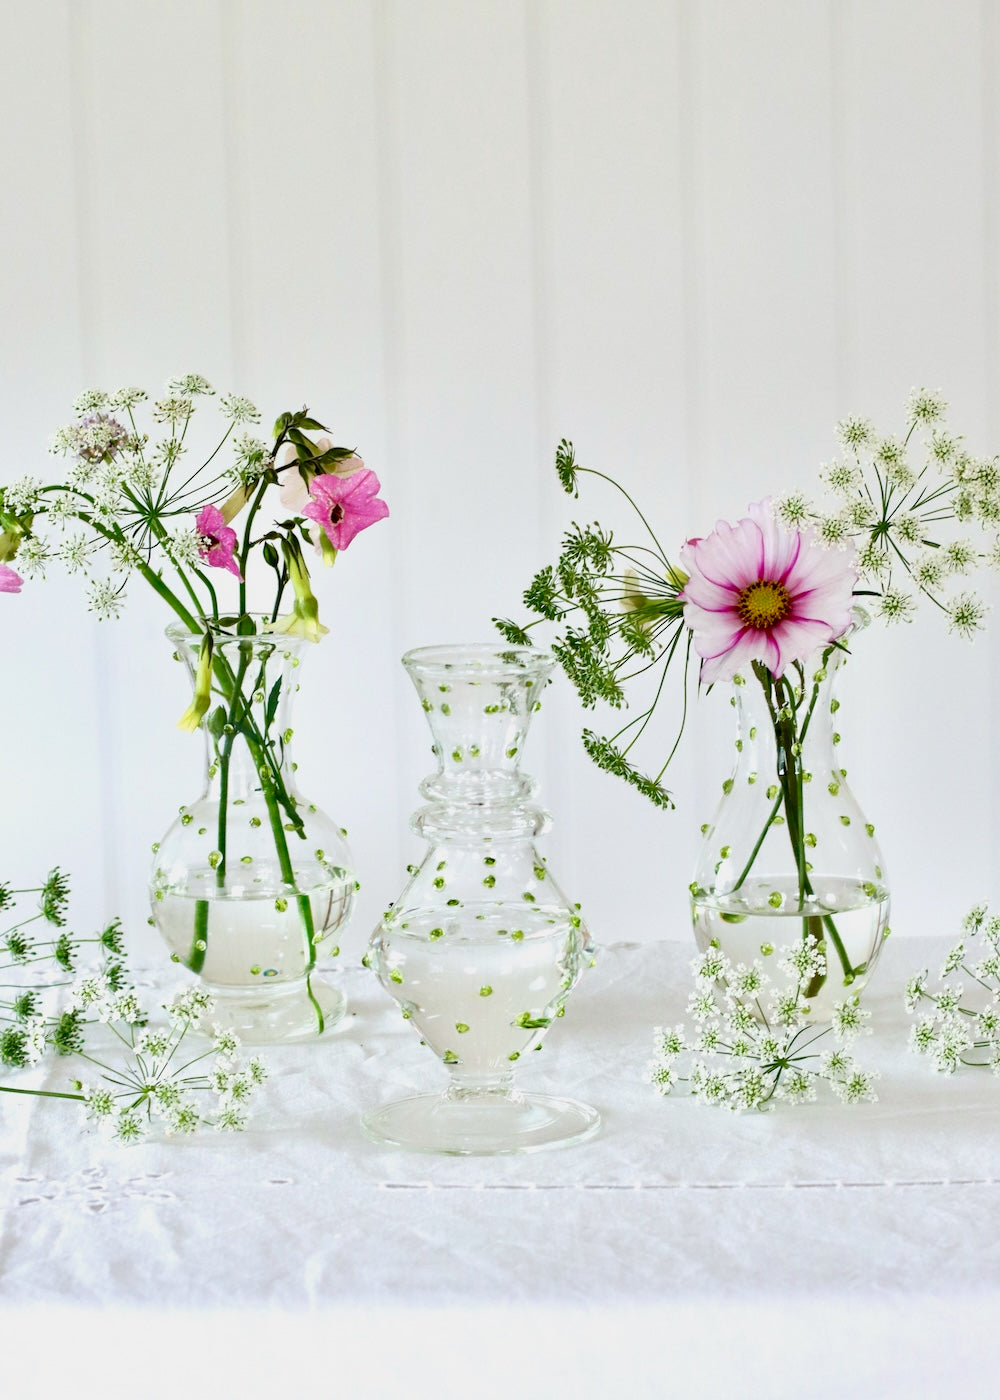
column 820, row 1251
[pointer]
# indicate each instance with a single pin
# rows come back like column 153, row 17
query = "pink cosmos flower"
column 757, row 592
column 10, row 582
column 345, row 505
column 218, row 540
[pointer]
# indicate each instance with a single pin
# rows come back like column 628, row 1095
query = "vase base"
column 481, row 1125
column 276, row 1015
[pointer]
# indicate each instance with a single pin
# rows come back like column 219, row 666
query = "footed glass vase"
column 789, row 854
column 482, row 948
column 252, row 882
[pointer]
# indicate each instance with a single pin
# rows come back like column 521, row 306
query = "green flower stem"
column 40, row 1093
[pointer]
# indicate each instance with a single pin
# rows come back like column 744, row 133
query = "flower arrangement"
column 56, row 1003
column 756, row 1041
column 131, row 505
column 960, row 1021
column 771, row 603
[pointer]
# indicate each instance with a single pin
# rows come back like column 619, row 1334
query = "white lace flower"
column 90, row 401
column 793, row 510
column 855, row 432
column 105, row 599
column 895, row 605
column 239, row 409
column 32, row 556
column 925, row 406
column 966, row 615
column 21, row 496
column 127, row 397
column 189, row 386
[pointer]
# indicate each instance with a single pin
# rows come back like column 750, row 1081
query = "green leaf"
column 312, row 424
column 272, row 704
column 331, row 456
column 281, row 423
column 216, row 722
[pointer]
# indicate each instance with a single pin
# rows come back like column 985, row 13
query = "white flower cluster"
column 153, row 1085
column 960, row 1024
column 898, row 500
column 756, row 1042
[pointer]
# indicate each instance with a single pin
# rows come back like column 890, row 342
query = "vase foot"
column 481, row 1125
column 276, row 1015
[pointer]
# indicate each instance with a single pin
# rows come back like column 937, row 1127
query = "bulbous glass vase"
column 789, row 853
column 252, row 882
column 482, row 948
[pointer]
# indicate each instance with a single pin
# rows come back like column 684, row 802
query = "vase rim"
column 477, row 659
column 177, row 633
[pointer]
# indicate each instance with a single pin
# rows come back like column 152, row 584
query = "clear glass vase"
column 789, row 854
column 482, row 948
column 252, row 882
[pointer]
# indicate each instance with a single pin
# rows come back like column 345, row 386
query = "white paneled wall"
column 690, row 234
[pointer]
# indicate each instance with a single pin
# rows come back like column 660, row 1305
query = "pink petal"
column 10, row 582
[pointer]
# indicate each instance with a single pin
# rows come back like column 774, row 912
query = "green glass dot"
column 528, row 897
column 751, row 778
column 870, row 889
column 396, row 976
column 753, row 732
column 281, row 905
column 775, row 899
column 203, row 831
column 772, row 792
column 450, row 1058
column 766, row 949
column 187, row 819
column 461, row 1027
column 724, row 852
column 200, row 944
column 485, row 991
column 215, row 859
column 705, row 828
column 436, row 933
column 727, row 786
column 489, row 881
column 489, row 860
column 453, row 903
column 834, row 706
column 255, row 970
column 833, row 788
column 444, row 689
column 512, row 752
column 426, row 704
column 518, row 935
column 473, row 750
column 439, row 882
column 445, row 708
column 155, row 847
column 845, row 820
column 869, row 828
column 539, row 871
column 514, row 1055
column 457, row 755
column 810, row 838
column 739, row 745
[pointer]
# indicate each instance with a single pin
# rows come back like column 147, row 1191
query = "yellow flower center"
column 764, row 604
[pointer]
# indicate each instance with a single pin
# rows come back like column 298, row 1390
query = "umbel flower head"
column 757, row 592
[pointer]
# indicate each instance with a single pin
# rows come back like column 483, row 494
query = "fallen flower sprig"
column 756, row 1041
column 960, row 1024
column 145, row 1080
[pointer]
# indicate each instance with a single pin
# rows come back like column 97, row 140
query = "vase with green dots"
column 482, row 949
column 789, row 853
column 253, row 883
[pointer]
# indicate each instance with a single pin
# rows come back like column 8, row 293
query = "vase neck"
column 249, row 719
column 479, row 702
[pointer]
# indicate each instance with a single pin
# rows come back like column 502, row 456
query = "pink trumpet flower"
column 344, row 505
column 757, row 592
column 294, row 491
column 10, row 582
column 218, row 540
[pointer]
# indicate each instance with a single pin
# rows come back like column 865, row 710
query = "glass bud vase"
column 789, row 854
column 482, row 948
column 252, row 882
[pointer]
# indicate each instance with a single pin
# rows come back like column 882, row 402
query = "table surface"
column 679, row 1226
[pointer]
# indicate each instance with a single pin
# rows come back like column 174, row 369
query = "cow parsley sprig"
column 959, row 1021
column 69, row 996
column 923, row 512
column 754, row 1041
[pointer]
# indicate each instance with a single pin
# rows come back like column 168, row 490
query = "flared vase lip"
column 478, row 661
column 181, row 635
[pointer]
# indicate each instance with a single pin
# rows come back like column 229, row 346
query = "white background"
column 689, row 235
